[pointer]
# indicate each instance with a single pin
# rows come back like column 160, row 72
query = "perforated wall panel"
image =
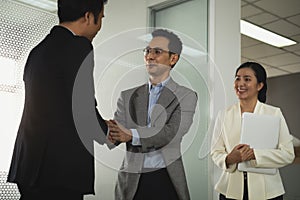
column 21, row 28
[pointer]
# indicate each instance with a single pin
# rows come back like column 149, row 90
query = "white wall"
column 121, row 19
column 122, row 16
column 225, row 51
column 224, row 38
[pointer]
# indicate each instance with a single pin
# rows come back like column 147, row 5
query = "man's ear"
column 87, row 17
column 174, row 58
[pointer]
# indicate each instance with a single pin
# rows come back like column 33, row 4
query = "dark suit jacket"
column 171, row 119
column 48, row 149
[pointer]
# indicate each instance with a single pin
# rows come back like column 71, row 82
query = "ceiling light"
column 264, row 35
column 47, row 5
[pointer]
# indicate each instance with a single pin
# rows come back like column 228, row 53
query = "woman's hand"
column 240, row 153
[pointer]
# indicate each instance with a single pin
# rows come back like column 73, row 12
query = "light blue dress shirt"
column 152, row 159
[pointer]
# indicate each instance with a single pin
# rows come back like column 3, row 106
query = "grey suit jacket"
column 171, row 119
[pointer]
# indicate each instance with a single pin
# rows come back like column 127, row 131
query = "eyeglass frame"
column 158, row 51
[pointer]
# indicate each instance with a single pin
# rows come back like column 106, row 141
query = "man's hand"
column 117, row 132
column 109, row 136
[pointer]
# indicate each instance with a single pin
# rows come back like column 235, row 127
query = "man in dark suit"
column 152, row 119
column 53, row 156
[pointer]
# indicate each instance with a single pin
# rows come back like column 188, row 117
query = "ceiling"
column 281, row 17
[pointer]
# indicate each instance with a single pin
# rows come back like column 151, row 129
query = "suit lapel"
column 167, row 94
column 166, row 97
column 139, row 106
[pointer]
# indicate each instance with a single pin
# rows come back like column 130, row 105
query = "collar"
column 67, row 29
column 162, row 84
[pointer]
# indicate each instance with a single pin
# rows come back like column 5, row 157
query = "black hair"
column 261, row 76
column 175, row 44
column 71, row 10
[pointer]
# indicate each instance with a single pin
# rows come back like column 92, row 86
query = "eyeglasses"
column 155, row 51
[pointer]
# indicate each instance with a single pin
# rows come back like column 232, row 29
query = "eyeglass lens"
column 156, row 51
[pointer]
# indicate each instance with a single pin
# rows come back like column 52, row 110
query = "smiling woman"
column 250, row 85
column 246, row 85
column 227, row 151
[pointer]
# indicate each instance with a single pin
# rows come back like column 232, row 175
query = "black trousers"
column 222, row 197
column 245, row 196
column 51, row 193
column 155, row 185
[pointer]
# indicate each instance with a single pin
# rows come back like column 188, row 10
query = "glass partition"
column 189, row 19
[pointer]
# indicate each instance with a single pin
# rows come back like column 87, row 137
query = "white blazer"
column 227, row 135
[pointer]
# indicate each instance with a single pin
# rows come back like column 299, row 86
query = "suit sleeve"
column 89, row 123
column 218, row 149
column 283, row 155
column 119, row 115
column 101, row 121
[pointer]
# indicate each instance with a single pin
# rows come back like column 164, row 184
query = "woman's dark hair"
column 261, row 76
column 71, row 10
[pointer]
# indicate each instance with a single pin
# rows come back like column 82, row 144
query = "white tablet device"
column 260, row 132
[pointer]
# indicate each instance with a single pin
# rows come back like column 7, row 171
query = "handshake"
column 117, row 132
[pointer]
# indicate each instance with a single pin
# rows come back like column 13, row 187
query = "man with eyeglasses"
column 152, row 119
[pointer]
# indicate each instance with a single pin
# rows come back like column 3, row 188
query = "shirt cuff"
column 135, row 138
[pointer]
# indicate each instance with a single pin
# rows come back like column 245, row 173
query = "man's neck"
column 157, row 80
column 76, row 27
column 67, row 27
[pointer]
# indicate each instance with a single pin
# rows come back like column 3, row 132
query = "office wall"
column 283, row 92
column 119, row 61
column 225, row 52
